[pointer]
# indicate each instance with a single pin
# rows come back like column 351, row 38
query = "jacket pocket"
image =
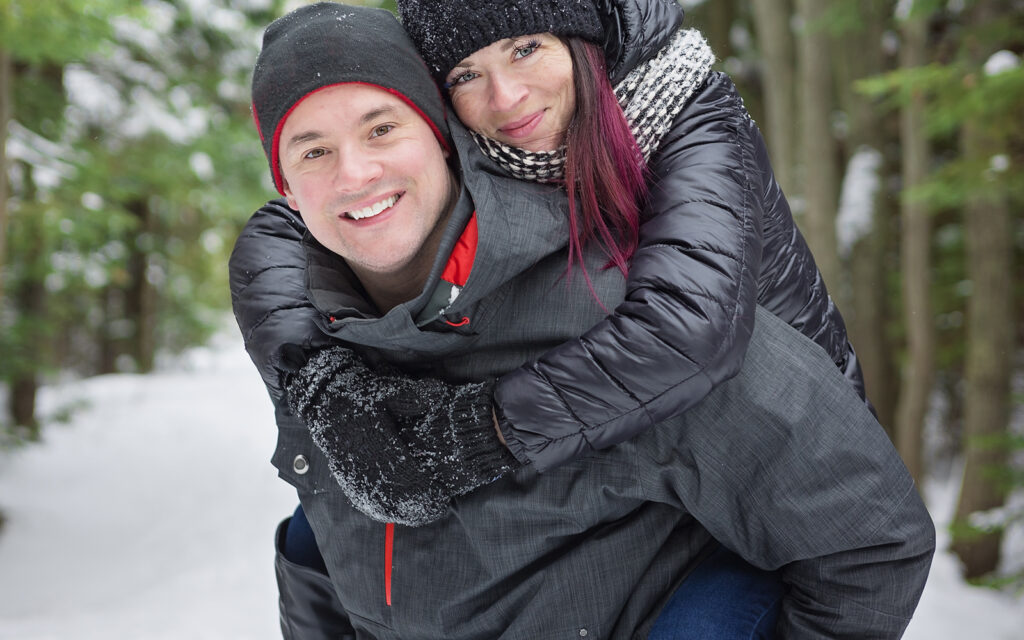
column 309, row 606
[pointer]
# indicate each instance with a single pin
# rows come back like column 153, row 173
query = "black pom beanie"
column 446, row 31
column 326, row 44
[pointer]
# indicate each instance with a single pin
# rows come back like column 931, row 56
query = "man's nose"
column 356, row 170
column 506, row 92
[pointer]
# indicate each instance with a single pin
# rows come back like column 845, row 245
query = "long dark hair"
column 604, row 167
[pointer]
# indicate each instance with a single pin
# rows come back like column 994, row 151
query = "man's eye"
column 313, row 154
column 381, row 130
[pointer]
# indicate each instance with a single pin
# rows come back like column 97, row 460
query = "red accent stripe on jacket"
column 389, row 543
column 461, row 261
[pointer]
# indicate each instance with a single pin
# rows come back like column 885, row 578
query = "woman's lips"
column 522, row 127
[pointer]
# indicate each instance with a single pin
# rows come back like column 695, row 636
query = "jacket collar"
column 518, row 224
column 635, row 31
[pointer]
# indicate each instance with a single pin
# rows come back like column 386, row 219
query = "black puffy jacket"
column 717, row 238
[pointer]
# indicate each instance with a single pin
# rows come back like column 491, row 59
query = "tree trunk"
column 140, row 297
column 6, row 112
column 109, row 345
column 28, row 296
column 819, row 151
column 23, row 404
column 718, row 18
column 865, row 305
column 775, row 40
column 990, row 341
column 915, row 260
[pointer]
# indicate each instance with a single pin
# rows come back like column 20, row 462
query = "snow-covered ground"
column 150, row 515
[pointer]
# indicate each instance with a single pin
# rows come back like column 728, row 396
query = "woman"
column 697, row 258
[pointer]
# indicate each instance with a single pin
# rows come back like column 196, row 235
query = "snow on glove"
column 400, row 447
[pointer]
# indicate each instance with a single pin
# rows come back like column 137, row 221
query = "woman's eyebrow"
column 506, row 44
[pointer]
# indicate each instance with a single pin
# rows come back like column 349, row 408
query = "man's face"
column 368, row 176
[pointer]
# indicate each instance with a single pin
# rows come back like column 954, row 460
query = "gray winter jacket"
column 784, row 463
column 717, row 239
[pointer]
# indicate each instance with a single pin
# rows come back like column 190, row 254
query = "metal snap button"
column 300, row 464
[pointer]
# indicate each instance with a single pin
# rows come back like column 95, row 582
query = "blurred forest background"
column 130, row 162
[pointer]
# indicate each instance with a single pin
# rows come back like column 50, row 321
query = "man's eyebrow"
column 305, row 136
column 372, row 114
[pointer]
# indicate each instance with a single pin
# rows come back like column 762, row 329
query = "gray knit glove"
column 400, row 447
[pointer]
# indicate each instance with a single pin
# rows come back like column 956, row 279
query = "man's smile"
column 373, row 209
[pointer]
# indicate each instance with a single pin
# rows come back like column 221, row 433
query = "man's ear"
column 292, row 202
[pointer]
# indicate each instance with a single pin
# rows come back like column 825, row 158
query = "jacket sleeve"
column 785, row 465
column 267, row 279
column 267, row 274
column 688, row 311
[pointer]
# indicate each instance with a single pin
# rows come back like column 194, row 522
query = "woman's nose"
column 506, row 92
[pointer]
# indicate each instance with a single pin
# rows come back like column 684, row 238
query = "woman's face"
column 518, row 91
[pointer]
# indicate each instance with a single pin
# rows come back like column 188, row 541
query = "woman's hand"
column 400, row 447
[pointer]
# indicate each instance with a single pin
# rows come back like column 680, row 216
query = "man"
column 783, row 464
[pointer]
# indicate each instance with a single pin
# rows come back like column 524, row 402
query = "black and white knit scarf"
column 650, row 96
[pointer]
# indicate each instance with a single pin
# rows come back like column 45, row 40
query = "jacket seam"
column 745, row 159
column 715, row 203
column 640, row 404
column 267, row 315
column 683, row 249
column 565, row 403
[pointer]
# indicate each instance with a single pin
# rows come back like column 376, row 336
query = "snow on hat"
column 446, row 31
column 326, row 44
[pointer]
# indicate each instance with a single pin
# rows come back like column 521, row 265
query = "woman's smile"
column 523, row 127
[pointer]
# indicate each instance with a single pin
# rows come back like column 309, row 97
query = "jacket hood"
column 635, row 31
column 519, row 224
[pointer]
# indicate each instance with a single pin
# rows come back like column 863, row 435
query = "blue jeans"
column 722, row 598
column 300, row 545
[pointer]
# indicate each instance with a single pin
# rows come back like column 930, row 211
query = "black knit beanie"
column 325, row 44
column 446, row 31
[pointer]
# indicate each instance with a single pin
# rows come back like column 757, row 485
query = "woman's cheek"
column 466, row 109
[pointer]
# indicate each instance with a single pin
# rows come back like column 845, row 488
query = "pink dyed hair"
column 604, row 166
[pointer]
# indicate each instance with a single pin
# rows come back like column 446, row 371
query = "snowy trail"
column 150, row 516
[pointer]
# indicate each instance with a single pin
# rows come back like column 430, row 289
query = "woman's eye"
column 525, row 50
column 381, row 130
column 461, row 78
